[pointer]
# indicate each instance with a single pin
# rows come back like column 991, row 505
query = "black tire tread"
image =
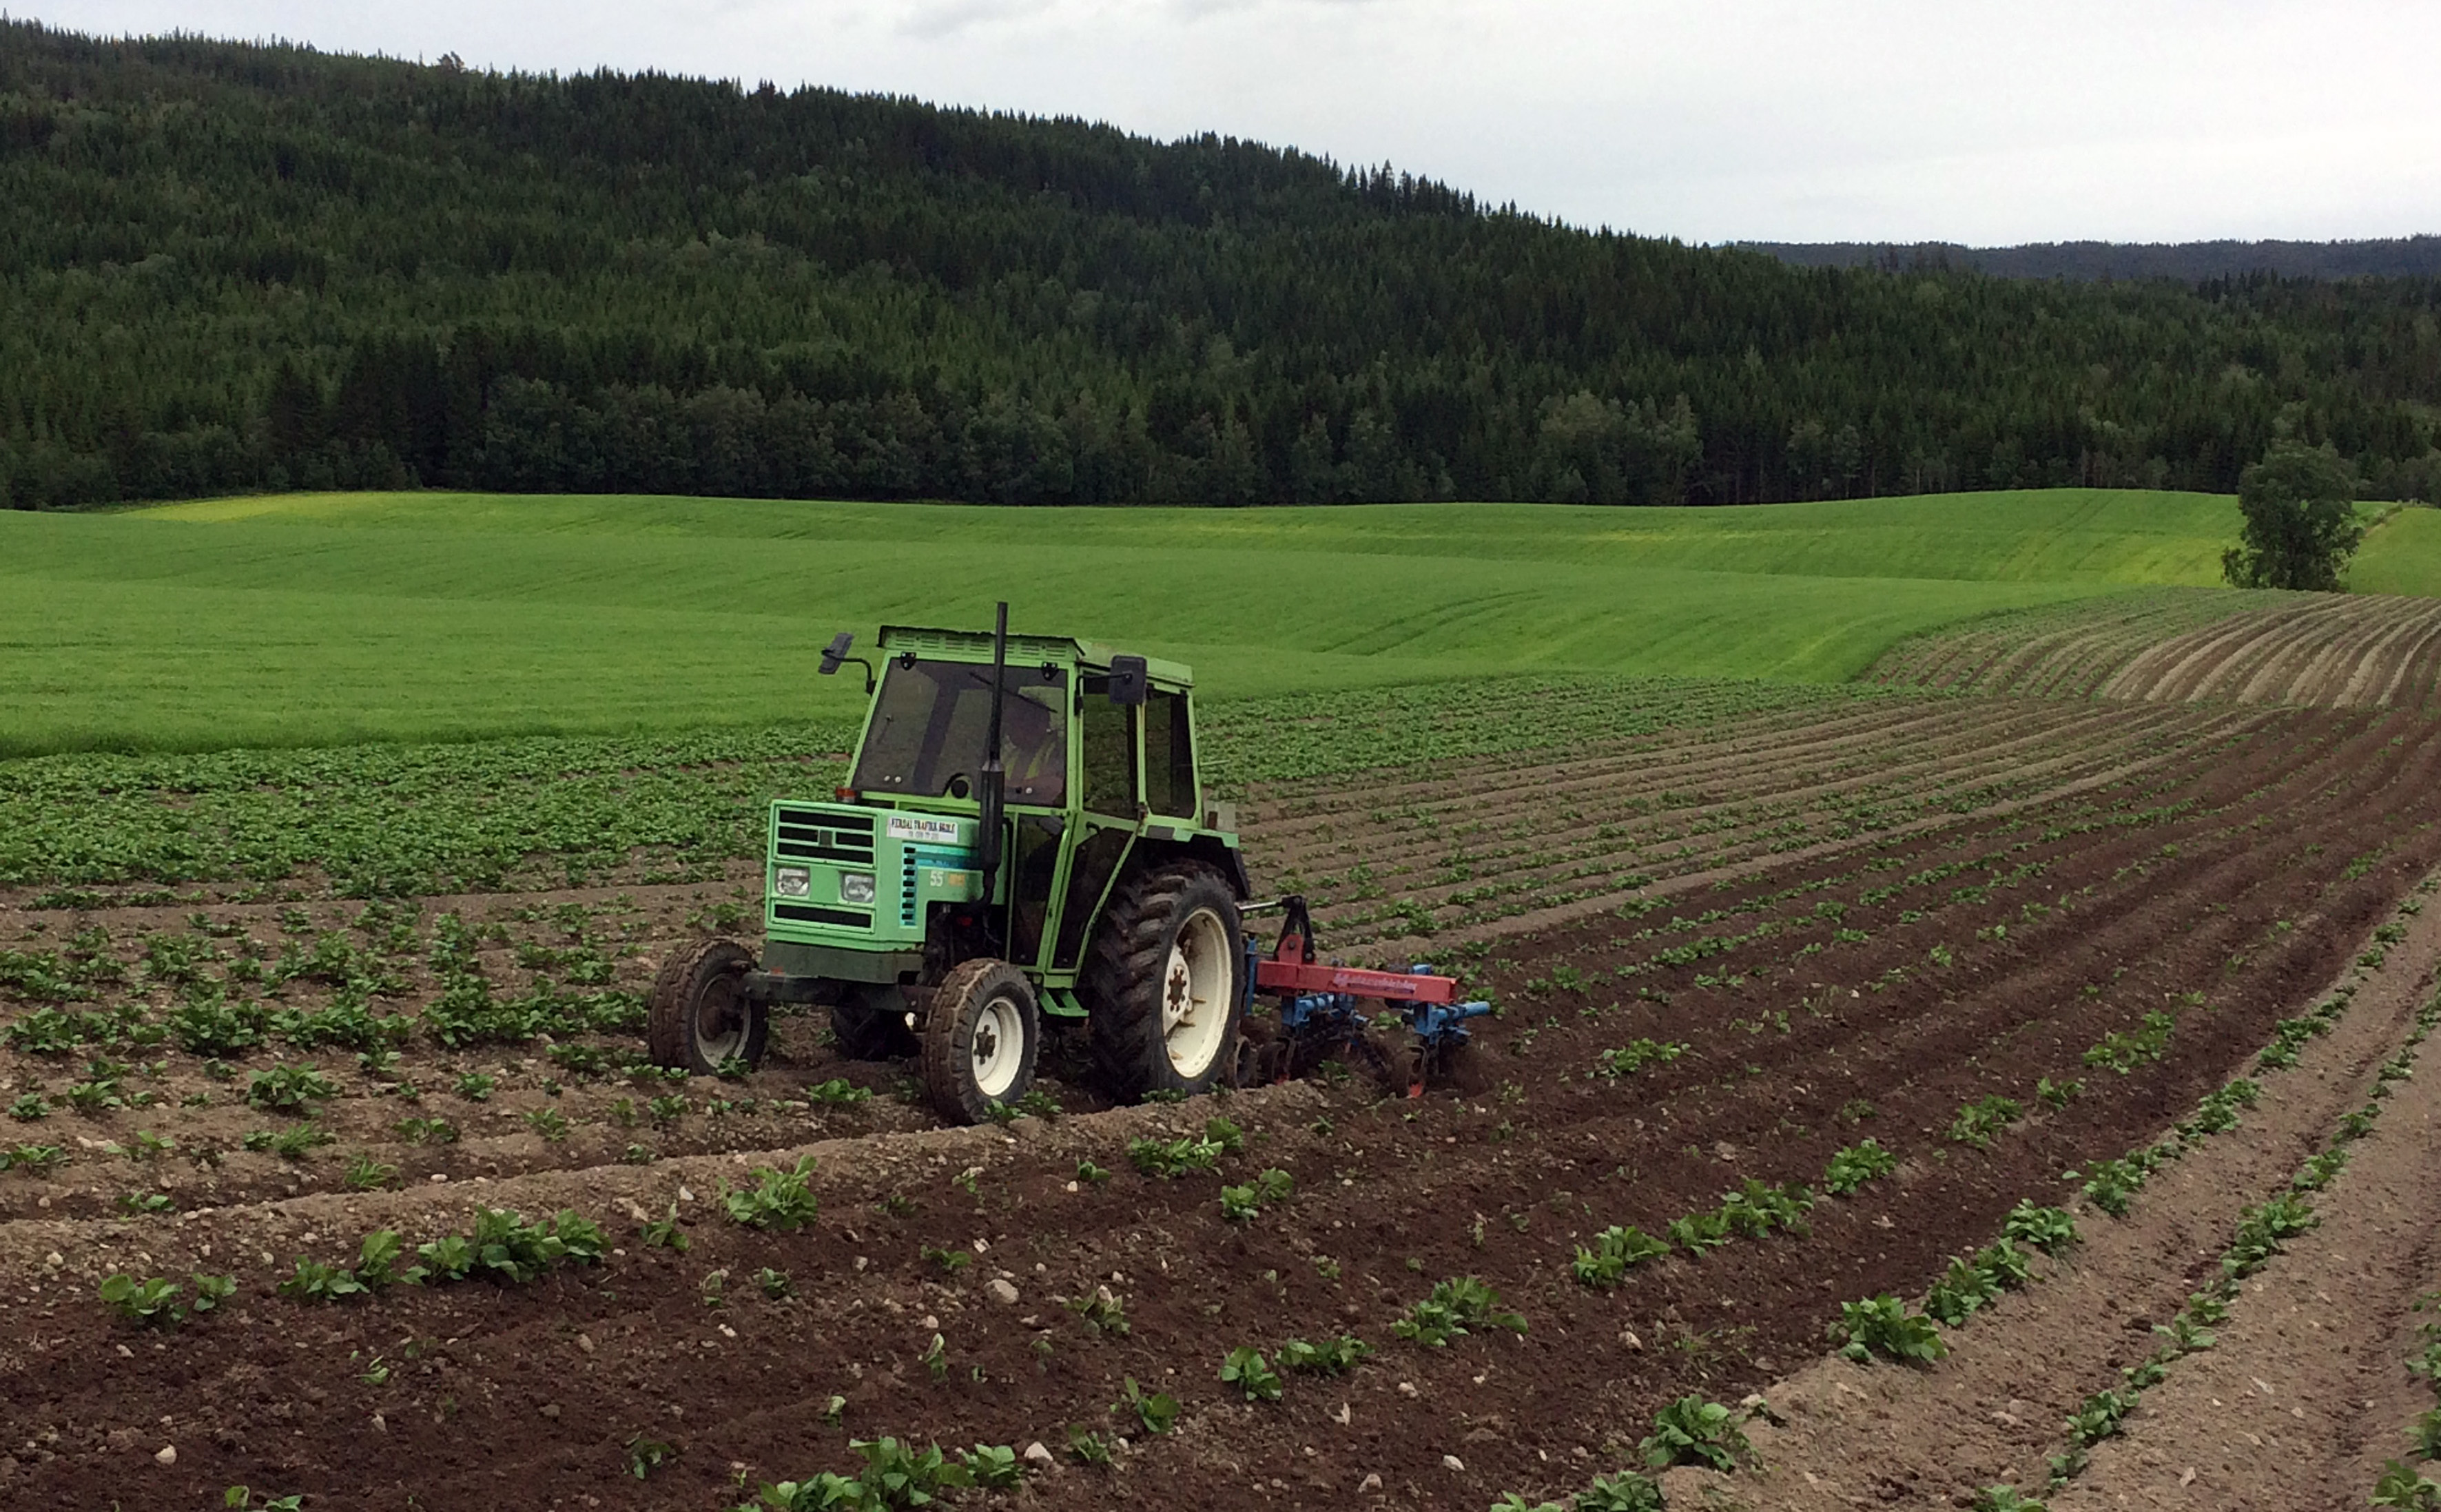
column 1123, row 975
column 948, row 1073
column 670, row 1011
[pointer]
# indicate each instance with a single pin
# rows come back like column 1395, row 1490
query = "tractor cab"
column 1024, row 837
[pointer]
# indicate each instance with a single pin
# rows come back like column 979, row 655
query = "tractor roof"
column 976, row 645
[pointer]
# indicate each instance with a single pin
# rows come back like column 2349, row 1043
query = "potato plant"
column 1860, row 1163
column 1627, row 1059
column 1455, row 1306
column 2050, row 1230
column 1691, row 1431
column 1333, row 1356
column 1978, row 1123
column 288, row 1089
column 1881, row 1327
column 1156, row 1411
column 155, row 1301
column 1614, row 1251
column 779, row 1199
column 1245, row 1368
column 1239, row 1204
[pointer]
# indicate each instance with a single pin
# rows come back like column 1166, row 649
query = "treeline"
column 232, row 267
column 2402, row 257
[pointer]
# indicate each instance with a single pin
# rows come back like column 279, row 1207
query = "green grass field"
column 2400, row 555
column 328, row 619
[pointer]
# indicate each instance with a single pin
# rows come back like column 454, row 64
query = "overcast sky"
column 1709, row 120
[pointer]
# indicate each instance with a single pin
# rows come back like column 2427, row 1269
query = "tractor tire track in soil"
column 1898, row 979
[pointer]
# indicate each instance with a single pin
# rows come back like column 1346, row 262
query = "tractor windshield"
column 930, row 721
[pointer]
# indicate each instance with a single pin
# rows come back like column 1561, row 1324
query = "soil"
column 2218, row 1432
column 2335, row 650
column 2223, row 869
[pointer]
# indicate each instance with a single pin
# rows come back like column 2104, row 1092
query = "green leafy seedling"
column 1691, row 1431
column 1245, row 1368
column 1156, row 1411
column 1615, row 1251
column 2050, row 1230
column 779, row 1199
column 153, row 1302
column 288, row 1089
column 1863, row 1161
column 1883, row 1326
column 1333, row 1356
column 645, row 1455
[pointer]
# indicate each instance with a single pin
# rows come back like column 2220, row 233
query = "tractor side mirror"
column 835, row 655
column 837, row 651
column 1128, row 687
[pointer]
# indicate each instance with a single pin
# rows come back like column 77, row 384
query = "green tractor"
column 1024, row 837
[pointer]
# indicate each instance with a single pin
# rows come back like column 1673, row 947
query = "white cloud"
column 1707, row 119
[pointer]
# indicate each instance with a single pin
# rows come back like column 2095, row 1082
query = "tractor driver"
column 1034, row 748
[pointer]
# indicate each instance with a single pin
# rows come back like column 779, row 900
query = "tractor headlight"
column 856, row 887
column 793, row 882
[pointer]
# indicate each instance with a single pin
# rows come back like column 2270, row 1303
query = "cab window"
column 1108, row 737
column 1169, row 756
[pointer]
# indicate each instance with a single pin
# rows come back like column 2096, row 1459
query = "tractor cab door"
column 1109, row 798
column 1169, row 789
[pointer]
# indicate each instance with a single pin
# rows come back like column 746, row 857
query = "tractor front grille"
column 814, row 834
column 806, row 913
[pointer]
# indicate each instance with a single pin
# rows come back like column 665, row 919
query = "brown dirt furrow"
column 1695, row 881
column 1729, row 850
column 1938, row 736
column 2305, row 1395
column 1994, row 1410
column 2291, row 664
column 1620, row 816
column 2162, row 670
column 1629, row 817
column 1896, row 721
column 1733, row 732
column 2219, row 673
column 2067, row 652
column 2382, row 625
column 2415, row 622
column 2406, row 679
column 1536, row 806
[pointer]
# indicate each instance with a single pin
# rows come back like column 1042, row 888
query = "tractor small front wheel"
column 700, row 1016
column 980, row 1040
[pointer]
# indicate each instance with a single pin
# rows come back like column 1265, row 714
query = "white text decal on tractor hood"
column 928, row 831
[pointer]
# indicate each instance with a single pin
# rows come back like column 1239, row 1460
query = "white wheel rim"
column 1198, row 993
column 720, row 1023
column 999, row 1046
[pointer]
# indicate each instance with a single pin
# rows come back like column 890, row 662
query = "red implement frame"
column 1293, row 968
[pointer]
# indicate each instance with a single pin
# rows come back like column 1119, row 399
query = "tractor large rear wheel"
column 1162, row 984
column 980, row 1039
column 699, row 1015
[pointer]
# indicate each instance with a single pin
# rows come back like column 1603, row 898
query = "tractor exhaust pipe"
column 991, row 791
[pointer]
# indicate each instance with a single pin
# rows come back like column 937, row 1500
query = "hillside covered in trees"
column 230, row 266
column 2418, row 257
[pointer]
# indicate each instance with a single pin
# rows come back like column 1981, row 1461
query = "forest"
column 231, row 267
column 2191, row 262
